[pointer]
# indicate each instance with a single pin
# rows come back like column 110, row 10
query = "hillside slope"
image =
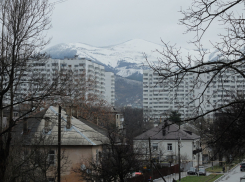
column 128, row 92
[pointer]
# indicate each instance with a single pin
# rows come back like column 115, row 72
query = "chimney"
column 25, row 125
column 166, row 125
column 46, row 121
column 163, row 131
column 69, row 113
column 68, row 124
column 46, row 125
column 77, row 111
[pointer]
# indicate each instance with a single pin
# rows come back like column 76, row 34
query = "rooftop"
column 80, row 132
column 172, row 133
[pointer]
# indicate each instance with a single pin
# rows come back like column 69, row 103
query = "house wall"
column 186, row 149
column 119, row 120
column 77, row 155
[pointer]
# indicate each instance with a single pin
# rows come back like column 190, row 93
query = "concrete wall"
column 186, row 150
column 78, row 155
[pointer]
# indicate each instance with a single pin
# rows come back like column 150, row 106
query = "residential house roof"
column 172, row 133
column 79, row 133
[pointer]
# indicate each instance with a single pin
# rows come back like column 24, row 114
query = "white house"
column 164, row 144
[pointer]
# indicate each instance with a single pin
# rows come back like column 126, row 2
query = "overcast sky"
column 109, row 22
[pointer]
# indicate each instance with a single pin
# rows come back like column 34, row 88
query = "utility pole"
column 179, row 155
column 198, row 160
column 59, row 141
column 159, row 172
column 150, row 160
column 179, row 159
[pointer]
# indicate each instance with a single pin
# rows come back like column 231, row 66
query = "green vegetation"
column 216, row 169
column 175, row 117
column 209, row 178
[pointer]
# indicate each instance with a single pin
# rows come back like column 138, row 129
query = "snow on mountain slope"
column 123, row 59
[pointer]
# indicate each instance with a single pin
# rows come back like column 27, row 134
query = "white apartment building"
column 222, row 89
column 161, row 96
column 104, row 88
column 110, row 87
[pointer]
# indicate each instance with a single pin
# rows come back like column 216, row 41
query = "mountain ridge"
column 125, row 59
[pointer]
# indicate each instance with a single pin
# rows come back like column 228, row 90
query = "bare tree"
column 211, row 85
column 231, row 144
column 33, row 161
column 81, row 94
column 23, row 24
column 115, row 162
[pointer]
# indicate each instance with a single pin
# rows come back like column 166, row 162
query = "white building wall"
column 110, row 88
column 186, row 149
column 159, row 98
column 222, row 88
column 79, row 65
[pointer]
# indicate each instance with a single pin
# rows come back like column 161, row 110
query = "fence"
column 146, row 176
column 186, row 166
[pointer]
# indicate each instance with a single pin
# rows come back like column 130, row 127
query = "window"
column 155, row 146
column 170, row 148
column 51, row 157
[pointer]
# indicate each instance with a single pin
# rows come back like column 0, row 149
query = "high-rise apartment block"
column 110, row 87
column 103, row 82
column 159, row 98
column 193, row 95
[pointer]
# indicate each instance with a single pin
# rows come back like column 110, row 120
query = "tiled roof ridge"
column 182, row 131
column 94, row 125
column 75, row 128
column 186, row 133
column 173, row 128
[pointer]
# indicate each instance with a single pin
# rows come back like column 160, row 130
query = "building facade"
column 193, row 95
column 165, row 141
column 110, row 88
column 160, row 97
column 80, row 142
column 102, row 83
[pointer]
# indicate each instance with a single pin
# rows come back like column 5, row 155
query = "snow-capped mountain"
column 125, row 59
